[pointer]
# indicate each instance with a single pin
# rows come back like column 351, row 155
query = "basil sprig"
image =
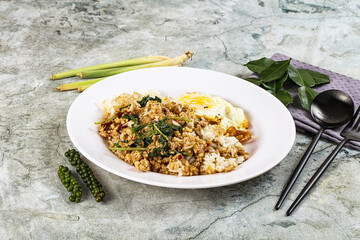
column 272, row 75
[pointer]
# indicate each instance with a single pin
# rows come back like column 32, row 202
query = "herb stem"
column 167, row 139
column 124, row 107
column 106, row 120
column 182, row 119
column 128, row 149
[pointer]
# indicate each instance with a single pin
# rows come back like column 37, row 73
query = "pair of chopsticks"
column 350, row 132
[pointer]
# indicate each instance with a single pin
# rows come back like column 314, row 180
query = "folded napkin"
column 303, row 119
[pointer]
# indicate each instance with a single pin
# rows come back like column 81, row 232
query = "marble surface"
column 38, row 38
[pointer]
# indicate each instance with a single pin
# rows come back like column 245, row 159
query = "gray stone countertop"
column 39, row 38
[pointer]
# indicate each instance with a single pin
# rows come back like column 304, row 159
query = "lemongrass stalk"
column 112, row 71
column 129, row 62
column 83, row 88
column 76, row 85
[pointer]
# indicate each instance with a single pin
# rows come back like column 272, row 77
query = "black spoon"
column 330, row 109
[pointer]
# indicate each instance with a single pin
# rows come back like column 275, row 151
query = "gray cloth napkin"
column 303, row 119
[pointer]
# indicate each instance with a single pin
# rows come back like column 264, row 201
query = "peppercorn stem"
column 129, row 62
column 76, row 85
column 112, row 71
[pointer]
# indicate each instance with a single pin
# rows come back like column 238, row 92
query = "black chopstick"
column 298, row 169
column 315, row 177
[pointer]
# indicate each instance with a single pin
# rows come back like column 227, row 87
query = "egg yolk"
column 196, row 101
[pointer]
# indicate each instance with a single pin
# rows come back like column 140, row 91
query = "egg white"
column 214, row 109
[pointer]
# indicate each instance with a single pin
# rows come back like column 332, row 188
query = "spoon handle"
column 299, row 168
column 316, row 177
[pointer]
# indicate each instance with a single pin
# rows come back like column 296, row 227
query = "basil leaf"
column 301, row 77
column 259, row 65
column 318, row 77
column 156, row 152
column 284, row 96
column 163, row 141
column 275, row 71
column 134, row 118
column 137, row 143
column 306, row 95
column 147, row 98
column 255, row 81
column 164, row 127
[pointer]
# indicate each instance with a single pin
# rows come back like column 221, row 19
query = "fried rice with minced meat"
column 198, row 146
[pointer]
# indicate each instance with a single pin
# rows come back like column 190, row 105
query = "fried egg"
column 215, row 109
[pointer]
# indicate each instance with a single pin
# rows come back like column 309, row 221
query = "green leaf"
column 147, row 98
column 124, row 107
column 270, row 87
column 306, row 95
column 136, row 129
column 280, row 82
column 259, row 65
column 284, row 96
column 255, row 81
column 301, row 77
column 274, row 86
column 134, row 118
column 164, row 127
column 275, row 71
column 319, row 77
column 271, row 91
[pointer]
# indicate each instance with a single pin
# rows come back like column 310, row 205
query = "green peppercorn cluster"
column 70, row 183
column 86, row 174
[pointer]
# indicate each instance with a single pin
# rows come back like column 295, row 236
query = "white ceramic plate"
column 270, row 121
